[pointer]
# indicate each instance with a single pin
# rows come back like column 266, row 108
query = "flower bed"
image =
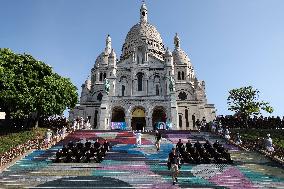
column 16, row 144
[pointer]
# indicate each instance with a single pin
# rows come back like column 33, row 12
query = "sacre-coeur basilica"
column 147, row 87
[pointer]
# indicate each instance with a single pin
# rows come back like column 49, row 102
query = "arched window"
column 180, row 121
column 96, row 119
column 105, row 75
column 100, row 97
column 179, row 76
column 186, row 118
column 157, row 90
column 182, row 75
column 101, row 76
column 122, row 90
column 140, row 81
column 182, row 96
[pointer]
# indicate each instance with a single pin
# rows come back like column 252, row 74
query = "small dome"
column 180, row 57
column 100, row 59
column 168, row 53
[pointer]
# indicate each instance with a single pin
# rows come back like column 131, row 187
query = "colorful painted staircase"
column 129, row 166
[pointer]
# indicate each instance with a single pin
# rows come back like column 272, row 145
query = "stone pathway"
column 129, row 166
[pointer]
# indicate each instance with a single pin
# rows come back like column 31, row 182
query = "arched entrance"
column 118, row 115
column 138, row 121
column 118, row 118
column 159, row 116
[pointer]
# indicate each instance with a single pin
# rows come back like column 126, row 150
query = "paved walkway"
column 129, row 166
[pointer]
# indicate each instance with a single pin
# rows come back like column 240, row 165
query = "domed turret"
column 102, row 59
column 168, row 53
column 180, row 57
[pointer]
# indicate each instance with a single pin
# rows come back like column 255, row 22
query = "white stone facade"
column 140, row 80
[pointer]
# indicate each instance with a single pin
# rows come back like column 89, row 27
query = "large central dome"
column 143, row 36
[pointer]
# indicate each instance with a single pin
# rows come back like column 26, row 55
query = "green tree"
column 30, row 88
column 245, row 102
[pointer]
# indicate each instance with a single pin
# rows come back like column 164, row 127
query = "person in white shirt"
column 268, row 144
column 238, row 139
column 227, row 134
column 138, row 138
column 48, row 136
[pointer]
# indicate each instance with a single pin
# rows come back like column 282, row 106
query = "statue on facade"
column 107, row 86
column 172, row 84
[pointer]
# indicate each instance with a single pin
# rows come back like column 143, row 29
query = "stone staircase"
column 129, row 166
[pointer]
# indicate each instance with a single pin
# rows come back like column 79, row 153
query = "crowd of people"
column 84, row 152
column 81, row 123
column 252, row 122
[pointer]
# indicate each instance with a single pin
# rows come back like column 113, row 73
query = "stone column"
column 104, row 114
column 174, row 114
column 148, row 123
column 128, row 122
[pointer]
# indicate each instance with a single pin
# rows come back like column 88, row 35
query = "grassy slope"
column 276, row 135
column 15, row 139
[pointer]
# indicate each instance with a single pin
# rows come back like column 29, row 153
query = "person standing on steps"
column 158, row 140
column 173, row 160
column 138, row 137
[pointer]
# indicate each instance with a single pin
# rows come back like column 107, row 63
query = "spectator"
column 173, row 160
column 268, row 144
column 158, row 140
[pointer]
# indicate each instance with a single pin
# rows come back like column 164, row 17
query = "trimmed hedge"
column 14, row 139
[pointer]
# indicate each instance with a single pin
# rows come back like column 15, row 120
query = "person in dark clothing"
column 188, row 145
column 64, row 150
column 58, row 155
column 97, row 145
column 197, row 145
column 180, row 146
column 70, row 145
column 216, row 144
column 106, row 145
column 158, row 140
column 80, row 145
column 88, row 144
column 207, row 145
column 173, row 160
column 198, row 124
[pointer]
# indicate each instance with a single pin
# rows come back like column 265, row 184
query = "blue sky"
column 230, row 43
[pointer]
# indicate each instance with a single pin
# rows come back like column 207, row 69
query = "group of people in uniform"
column 83, row 152
column 196, row 154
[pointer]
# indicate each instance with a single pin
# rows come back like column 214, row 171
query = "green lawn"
column 14, row 139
